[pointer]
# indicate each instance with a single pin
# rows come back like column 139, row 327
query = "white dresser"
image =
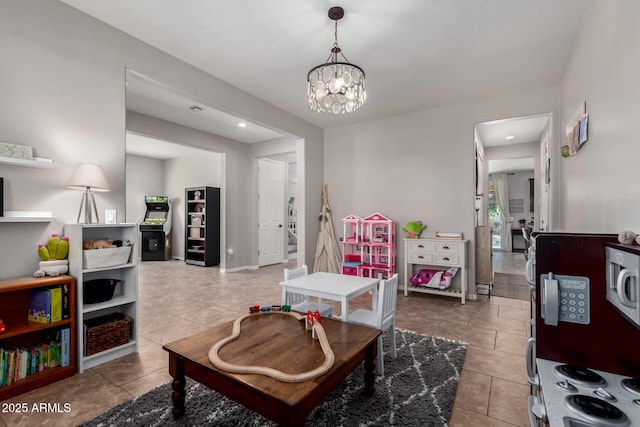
column 442, row 254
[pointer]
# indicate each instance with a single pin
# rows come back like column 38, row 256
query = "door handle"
column 279, row 225
column 620, row 287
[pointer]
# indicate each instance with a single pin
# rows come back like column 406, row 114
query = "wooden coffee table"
column 281, row 342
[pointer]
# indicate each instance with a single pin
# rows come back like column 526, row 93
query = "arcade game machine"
column 156, row 229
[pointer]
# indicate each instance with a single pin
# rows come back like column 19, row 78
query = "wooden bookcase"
column 202, row 229
column 21, row 333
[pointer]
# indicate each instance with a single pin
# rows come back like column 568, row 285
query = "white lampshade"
column 87, row 176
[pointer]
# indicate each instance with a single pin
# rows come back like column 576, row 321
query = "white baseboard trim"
column 234, row 269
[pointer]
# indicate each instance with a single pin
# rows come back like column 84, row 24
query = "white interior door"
column 271, row 212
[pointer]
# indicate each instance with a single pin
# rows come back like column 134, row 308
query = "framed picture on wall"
column 583, row 135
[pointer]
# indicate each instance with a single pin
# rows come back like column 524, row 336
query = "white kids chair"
column 383, row 317
column 301, row 302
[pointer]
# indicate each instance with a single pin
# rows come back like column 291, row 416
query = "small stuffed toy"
column 413, row 229
column 97, row 244
column 626, row 237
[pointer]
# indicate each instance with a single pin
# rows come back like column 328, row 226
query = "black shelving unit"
column 202, row 230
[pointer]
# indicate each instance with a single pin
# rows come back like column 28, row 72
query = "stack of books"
column 17, row 363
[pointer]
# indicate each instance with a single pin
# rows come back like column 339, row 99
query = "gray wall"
column 62, row 81
column 599, row 186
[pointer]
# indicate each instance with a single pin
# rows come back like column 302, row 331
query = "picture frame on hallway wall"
column 575, row 131
column 583, row 133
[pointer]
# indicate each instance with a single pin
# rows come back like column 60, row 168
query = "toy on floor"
column 257, row 309
column 52, row 257
column 438, row 279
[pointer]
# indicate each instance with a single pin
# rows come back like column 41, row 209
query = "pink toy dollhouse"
column 368, row 246
column 352, row 245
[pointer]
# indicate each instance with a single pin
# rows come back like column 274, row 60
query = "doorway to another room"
column 510, row 190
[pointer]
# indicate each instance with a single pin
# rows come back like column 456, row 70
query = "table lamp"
column 89, row 178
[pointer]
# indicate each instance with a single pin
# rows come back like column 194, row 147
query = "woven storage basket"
column 105, row 332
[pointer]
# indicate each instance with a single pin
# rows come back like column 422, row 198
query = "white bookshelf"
column 125, row 299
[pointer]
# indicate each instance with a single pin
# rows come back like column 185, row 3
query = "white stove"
column 571, row 396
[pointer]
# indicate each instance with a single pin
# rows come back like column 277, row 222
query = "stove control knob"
column 567, row 386
column 604, row 394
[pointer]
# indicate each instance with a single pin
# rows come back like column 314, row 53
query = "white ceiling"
column 523, row 129
column 416, row 53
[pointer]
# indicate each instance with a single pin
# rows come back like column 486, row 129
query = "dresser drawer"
column 448, row 247
column 446, row 259
column 419, row 246
column 418, row 257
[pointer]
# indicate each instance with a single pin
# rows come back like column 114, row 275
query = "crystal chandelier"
column 337, row 86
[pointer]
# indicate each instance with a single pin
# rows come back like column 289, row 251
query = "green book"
column 3, row 367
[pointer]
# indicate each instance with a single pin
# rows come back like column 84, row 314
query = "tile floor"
column 178, row 299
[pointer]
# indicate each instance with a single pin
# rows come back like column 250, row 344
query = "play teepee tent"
column 327, row 250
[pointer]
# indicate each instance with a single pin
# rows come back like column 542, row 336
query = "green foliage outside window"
column 494, row 211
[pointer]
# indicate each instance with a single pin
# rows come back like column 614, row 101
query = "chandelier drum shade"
column 337, row 86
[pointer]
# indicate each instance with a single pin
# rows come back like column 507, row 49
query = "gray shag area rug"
column 418, row 389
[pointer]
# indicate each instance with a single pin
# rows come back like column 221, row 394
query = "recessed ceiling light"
column 242, row 125
column 195, row 108
column 509, row 137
